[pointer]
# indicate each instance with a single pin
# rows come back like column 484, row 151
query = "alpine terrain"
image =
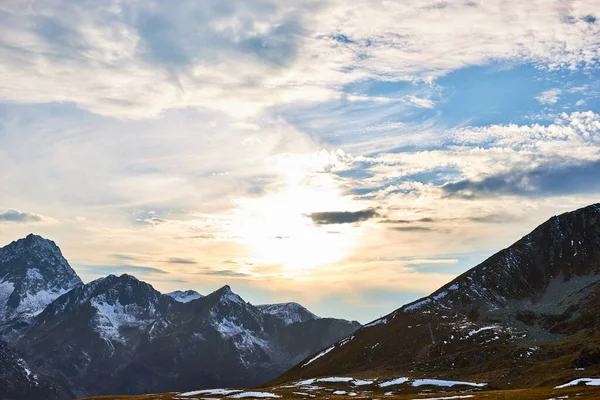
column 526, row 316
column 119, row 335
column 523, row 324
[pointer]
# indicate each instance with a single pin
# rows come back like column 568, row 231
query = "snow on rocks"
column 289, row 313
column 335, row 379
column 184, row 296
column 451, row 397
column 376, row 322
column 397, row 381
column 429, row 382
column 209, row 392
column 321, row 354
column 443, row 383
column 362, row 382
column 418, row 305
column 346, row 340
column 586, row 381
column 262, row 395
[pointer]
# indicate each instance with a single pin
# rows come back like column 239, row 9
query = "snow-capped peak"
column 226, row 295
column 33, row 272
column 288, row 312
column 118, row 300
column 184, row 296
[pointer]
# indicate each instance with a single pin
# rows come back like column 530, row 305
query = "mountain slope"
column 19, row 381
column 119, row 335
column 33, row 272
column 525, row 315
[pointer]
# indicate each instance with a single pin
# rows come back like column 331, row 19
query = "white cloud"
column 425, row 103
column 550, row 96
column 136, row 59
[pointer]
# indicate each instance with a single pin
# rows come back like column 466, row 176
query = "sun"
column 276, row 228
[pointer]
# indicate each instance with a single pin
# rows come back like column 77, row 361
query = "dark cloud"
column 118, row 269
column 342, row 217
column 177, row 260
column 19, row 217
column 547, row 180
column 590, row 19
column 489, row 218
column 223, row 272
column 412, row 229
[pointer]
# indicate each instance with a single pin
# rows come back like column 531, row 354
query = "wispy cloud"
column 23, row 217
column 550, row 96
column 118, row 269
column 134, row 61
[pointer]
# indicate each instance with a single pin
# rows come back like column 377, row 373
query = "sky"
column 350, row 156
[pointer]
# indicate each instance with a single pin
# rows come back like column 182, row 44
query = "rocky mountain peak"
column 184, row 296
column 288, row 312
column 226, row 295
column 33, row 272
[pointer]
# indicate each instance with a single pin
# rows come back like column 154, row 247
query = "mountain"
column 527, row 316
column 288, row 312
column 20, row 381
column 119, row 335
column 184, row 296
column 33, row 272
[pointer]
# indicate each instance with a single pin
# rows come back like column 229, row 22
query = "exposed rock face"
column 21, row 381
column 33, row 272
column 493, row 318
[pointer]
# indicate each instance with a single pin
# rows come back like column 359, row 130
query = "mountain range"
column 119, row 335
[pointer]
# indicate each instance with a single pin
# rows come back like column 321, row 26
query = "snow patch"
column 335, row 379
column 209, row 392
column 397, row 381
column 586, row 381
column 418, row 305
column 376, row 322
column 451, row 397
column 263, row 395
column 442, row 383
column 321, row 354
column 362, row 382
column 346, row 340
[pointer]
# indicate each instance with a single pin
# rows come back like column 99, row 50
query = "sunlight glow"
column 277, row 228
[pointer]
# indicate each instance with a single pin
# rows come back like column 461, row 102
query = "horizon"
column 211, row 291
column 351, row 158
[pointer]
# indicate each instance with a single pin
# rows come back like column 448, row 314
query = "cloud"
column 224, row 272
column 342, row 217
column 137, row 59
column 22, row 217
column 547, row 180
column 177, row 260
column 113, row 269
column 425, row 103
column 412, row 229
column 550, row 96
